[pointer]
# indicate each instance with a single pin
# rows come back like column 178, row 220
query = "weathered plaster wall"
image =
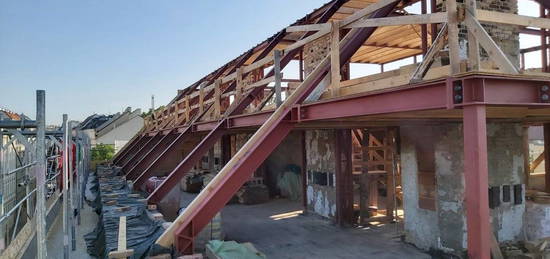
column 321, row 197
column 504, row 142
column 445, row 228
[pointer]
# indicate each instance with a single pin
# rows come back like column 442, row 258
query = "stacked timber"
column 126, row 228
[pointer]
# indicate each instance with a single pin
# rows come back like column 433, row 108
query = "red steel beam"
column 147, row 168
column 347, row 51
column 144, row 161
column 258, row 147
column 133, row 147
column 476, row 182
column 222, row 193
column 131, row 160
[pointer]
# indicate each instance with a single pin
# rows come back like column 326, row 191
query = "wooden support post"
column 217, row 98
column 176, row 113
column 304, row 168
column 547, row 156
column 187, row 109
column 433, row 9
column 526, row 164
column 201, row 98
column 335, row 59
column 485, row 40
column 452, row 36
column 543, row 42
column 122, row 251
column 240, row 83
column 476, row 182
column 364, row 180
column 424, row 28
column 278, row 76
column 473, row 45
column 391, row 171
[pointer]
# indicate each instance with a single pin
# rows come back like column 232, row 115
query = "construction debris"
column 142, row 227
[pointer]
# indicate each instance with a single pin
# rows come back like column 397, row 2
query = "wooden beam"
column 278, row 76
column 512, row 19
column 440, row 17
column 187, row 108
column 240, row 83
column 201, row 98
column 452, row 35
column 437, row 45
column 308, row 27
column 122, row 251
column 217, row 97
column 473, row 45
column 485, row 40
column 365, row 11
column 335, row 60
column 307, row 40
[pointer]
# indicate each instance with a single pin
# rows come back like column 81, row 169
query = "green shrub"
column 102, row 152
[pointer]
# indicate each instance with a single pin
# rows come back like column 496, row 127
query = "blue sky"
column 101, row 56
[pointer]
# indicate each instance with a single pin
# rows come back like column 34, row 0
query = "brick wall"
column 506, row 36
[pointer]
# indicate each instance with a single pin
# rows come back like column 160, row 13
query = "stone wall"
column 321, row 168
column 506, row 36
column 445, row 227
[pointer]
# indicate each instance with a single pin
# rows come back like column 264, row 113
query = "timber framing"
column 240, row 95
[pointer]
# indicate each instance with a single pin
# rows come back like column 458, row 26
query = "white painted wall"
column 123, row 132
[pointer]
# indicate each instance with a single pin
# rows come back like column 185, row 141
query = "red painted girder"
column 147, row 144
column 186, row 164
column 155, row 158
column 222, row 192
column 149, row 155
column 130, row 148
column 476, row 178
column 131, row 160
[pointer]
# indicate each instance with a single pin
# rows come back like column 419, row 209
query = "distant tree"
column 103, row 152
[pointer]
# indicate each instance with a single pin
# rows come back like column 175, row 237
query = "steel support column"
column 344, row 180
column 476, row 182
column 547, row 156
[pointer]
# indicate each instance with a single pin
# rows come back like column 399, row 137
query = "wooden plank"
column 512, row 19
column 217, row 97
column 335, row 60
column 187, row 108
column 201, row 98
column 122, row 251
column 277, row 54
column 437, row 45
column 473, row 45
column 365, row 11
column 485, row 40
column 452, row 35
column 440, row 17
column 264, row 81
column 536, row 162
column 306, row 40
column 308, row 27
column 239, row 81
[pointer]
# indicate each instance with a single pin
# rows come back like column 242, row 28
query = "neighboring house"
column 120, row 128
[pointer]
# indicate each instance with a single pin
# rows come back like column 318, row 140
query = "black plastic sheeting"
column 141, row 230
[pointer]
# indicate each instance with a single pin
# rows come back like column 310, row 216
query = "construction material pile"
column 116, row 203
